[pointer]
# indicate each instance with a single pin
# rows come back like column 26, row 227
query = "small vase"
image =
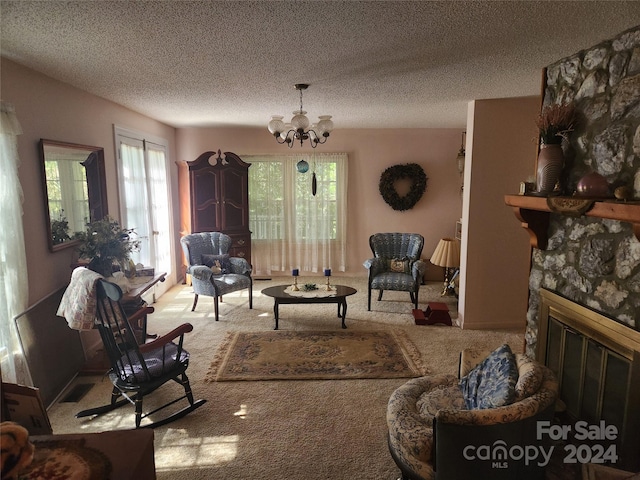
column 593, row 185
column 550, row 162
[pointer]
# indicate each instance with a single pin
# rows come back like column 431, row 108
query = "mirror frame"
column 96, row 187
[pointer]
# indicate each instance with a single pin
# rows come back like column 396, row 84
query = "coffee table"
column 339, row 297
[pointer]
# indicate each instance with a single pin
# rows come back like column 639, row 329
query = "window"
column 144, row 197
column 291, row 227
column 67, row 190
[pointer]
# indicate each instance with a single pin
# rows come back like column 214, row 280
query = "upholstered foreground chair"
column 396, row 264
column 435, row 433
column 213, row 272
column 137, row 370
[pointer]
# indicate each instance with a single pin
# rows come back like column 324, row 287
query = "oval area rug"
column 300, row 355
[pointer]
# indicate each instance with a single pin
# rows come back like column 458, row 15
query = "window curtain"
column 135, row 195
column 157, row 171
column 14, row 285
column 291, row 227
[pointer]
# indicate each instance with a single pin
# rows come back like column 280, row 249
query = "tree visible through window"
column 291, row 227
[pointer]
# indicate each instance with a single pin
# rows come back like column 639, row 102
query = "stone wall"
column 595, row 262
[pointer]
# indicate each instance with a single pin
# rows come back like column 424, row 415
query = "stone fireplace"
column 595, row 262
column 584, row 281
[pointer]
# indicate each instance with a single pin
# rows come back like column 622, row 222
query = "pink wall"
column 501, row 153
column 370, row 153
column 53, row 110
column 50, row 109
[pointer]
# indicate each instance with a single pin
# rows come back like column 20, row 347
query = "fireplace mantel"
column 534, row 212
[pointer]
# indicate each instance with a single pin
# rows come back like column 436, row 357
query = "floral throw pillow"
column 492, row 382
column 400, row 265
column 219, row 264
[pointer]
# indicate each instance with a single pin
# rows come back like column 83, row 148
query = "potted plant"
column 105, row 243
column 60, row 229
column 554, row 123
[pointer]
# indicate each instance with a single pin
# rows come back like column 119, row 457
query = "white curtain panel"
column 291, row 227
column 14, row 285
column 133, row 177
column 161, row 240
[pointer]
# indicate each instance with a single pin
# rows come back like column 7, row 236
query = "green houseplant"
column 105, row 243
column 60, row 230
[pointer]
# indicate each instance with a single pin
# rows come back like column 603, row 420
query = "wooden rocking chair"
column 137, row 370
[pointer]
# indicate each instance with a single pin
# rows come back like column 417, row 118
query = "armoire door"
column 235, row 208
column 206, row 201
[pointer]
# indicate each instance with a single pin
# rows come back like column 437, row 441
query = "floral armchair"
column 213, row 272
column 433, row 434
column 396, row 264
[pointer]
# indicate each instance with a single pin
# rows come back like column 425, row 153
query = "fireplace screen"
column 597, row 362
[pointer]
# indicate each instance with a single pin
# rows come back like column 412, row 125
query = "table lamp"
column 447, row 255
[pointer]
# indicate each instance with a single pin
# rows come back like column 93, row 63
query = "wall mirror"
column 75, row 190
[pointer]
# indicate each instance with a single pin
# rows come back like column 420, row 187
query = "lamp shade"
column 447, row 253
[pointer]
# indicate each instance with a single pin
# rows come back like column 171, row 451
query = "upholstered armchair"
column 434, row 432
column 213, row 272
column 396, row 264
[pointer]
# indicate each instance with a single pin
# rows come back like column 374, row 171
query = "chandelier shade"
column 299, row 128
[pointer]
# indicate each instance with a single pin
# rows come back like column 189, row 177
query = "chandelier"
column 298, row 128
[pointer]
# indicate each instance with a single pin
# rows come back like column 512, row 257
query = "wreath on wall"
column 412, row 171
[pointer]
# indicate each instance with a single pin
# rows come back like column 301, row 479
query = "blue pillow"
column 492, row 382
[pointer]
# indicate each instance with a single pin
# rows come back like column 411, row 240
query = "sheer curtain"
column 135, row 205
column 291, row 227
column 157, row 170
column 14, row 286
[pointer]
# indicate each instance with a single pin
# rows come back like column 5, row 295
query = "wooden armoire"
column 214, row 197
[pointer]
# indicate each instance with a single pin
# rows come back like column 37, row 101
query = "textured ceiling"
column 370, row 64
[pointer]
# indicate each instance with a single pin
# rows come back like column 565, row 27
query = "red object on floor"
column 436, row 312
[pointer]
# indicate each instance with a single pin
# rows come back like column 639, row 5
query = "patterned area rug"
column 300, row 355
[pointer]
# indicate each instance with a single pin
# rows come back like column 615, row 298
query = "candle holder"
column 294, row 287
column 328, row 287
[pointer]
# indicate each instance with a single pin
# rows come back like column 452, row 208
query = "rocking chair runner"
column 137, row 370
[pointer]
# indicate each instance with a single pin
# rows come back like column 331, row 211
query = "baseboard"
column 516, row 326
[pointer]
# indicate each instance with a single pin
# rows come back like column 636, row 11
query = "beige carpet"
column 344, row 355
column 277, row 430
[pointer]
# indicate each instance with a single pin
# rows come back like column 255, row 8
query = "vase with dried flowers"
column 554, row 123
column 105, row 243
